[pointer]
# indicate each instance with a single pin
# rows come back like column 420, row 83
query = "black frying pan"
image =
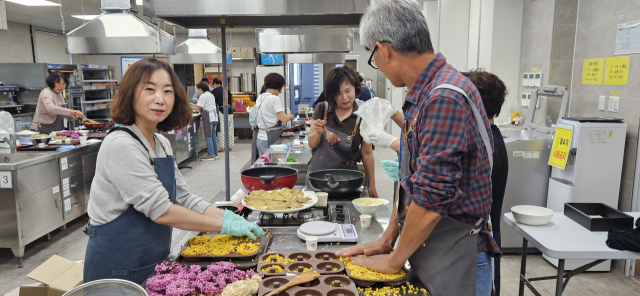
column 336, row 181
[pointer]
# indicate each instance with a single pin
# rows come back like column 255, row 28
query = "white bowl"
column 278, row 148
column 369, row 210
column 532, row 215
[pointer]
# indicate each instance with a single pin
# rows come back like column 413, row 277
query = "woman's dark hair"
column 216, row 81
column 204, row 79
column 138, row 74
column 203, row 86
column 360, row 77
column 274, row 81
column 335, row 78
column 263, row 89
column 492, row 90
column 54, row 77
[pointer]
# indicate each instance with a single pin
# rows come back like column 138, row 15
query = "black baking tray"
column 611, row 218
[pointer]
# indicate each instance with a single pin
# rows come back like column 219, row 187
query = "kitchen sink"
column 14, row 161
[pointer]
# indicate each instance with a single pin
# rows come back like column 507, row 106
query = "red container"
column 269, row 178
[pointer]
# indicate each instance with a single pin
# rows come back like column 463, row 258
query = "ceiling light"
column 138, row 2
column 34, row 2
column 85, row 17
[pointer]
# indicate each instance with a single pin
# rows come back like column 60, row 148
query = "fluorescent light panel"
column 86, row 16
column 138, row 2
column 34, row 2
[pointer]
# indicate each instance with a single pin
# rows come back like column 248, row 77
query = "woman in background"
column 51, row 111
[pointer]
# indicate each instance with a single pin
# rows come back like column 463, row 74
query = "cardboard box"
column 247, row 52
column 57, row 275
column 236, row 51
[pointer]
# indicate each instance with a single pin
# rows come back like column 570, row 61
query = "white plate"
column 532, row 215
column 310, row 203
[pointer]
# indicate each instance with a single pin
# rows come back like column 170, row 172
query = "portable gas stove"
column 341, row 212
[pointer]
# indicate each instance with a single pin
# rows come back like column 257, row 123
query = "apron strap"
column 273, row 128
column 478, row 117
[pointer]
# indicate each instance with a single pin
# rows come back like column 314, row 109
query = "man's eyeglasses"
column 372, row 61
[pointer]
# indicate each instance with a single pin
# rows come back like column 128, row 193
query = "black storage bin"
column 611, row 218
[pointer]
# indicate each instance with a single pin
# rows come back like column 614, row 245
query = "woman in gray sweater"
column 138, row 194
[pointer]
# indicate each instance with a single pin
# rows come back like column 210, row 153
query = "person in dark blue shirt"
column 493, row 93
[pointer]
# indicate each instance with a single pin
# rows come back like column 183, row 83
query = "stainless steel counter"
column 188, row 141
column 43, row 191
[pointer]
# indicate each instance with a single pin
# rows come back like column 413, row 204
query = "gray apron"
column 339, row 157
column 56, row 125
column 446, row 263
column 273, row 133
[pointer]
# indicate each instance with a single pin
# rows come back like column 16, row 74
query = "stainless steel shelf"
column 243, row 59
column 99, row 87
column 100, row 80
column 96, row 108
column 97, row 101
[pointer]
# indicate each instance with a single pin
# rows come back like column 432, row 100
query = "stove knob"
column 340, row 217
column 339, row 208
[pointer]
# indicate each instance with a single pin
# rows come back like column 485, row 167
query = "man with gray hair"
column 444, row 197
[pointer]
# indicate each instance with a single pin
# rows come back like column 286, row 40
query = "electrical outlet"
column 538, row 79
column 614, row 104
column 532, row 79
column 525, row 79
column 523, row 100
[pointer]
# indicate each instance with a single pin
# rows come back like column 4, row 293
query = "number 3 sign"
column 5, row 180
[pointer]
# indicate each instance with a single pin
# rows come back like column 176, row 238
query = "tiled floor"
column 206, row 179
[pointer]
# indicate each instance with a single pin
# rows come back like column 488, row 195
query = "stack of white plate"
column 532, row 215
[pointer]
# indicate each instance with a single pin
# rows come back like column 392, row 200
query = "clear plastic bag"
column 375, row 114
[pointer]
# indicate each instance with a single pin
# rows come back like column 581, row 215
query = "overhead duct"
column 197, row 50
column 118, row 30
column 315, row 58
column 304, row 40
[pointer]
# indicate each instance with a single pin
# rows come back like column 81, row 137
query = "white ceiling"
column 49, row 16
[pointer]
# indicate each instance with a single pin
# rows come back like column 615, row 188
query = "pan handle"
column 332, row 181
column 267, row 179
column 270, row 164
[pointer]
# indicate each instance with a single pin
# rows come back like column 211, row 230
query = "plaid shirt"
column 452, row 174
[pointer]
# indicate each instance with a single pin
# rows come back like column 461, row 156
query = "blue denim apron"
column 130, row 246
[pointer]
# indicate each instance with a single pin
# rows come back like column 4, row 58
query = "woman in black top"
column 341, row 88
column 493, row 92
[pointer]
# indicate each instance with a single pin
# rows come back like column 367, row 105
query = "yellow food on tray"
column 364, row 273
column 220, row 245
column 277, row 268
column 278, row 259
column 283, row 199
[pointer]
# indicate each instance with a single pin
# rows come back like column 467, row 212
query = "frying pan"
column 99, row 125
column 336, row 181
column 269, row 178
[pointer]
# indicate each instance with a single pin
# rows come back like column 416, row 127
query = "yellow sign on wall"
column 592, row 70
column 617, row 71
column 561, row 147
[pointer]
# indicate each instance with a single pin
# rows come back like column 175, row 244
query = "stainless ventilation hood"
column 118, row 30
column 315, row 58
column 197, row 50
column 304, row 40
column 258, row 13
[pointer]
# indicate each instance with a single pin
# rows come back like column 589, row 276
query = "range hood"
column 197, row 50
column 304, row 40
column 315, row 58
column 118, row 30
column 258, row 13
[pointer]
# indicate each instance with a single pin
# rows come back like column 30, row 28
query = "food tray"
column 586, row 214
column 367, row 283
column 320, row 261
column 264, row 240
column 310, row 203
column 322, row 286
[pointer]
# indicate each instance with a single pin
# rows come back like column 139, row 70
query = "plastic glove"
column 240, row 227
column 379, row 137
column 229, row 215
column 391, row 168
